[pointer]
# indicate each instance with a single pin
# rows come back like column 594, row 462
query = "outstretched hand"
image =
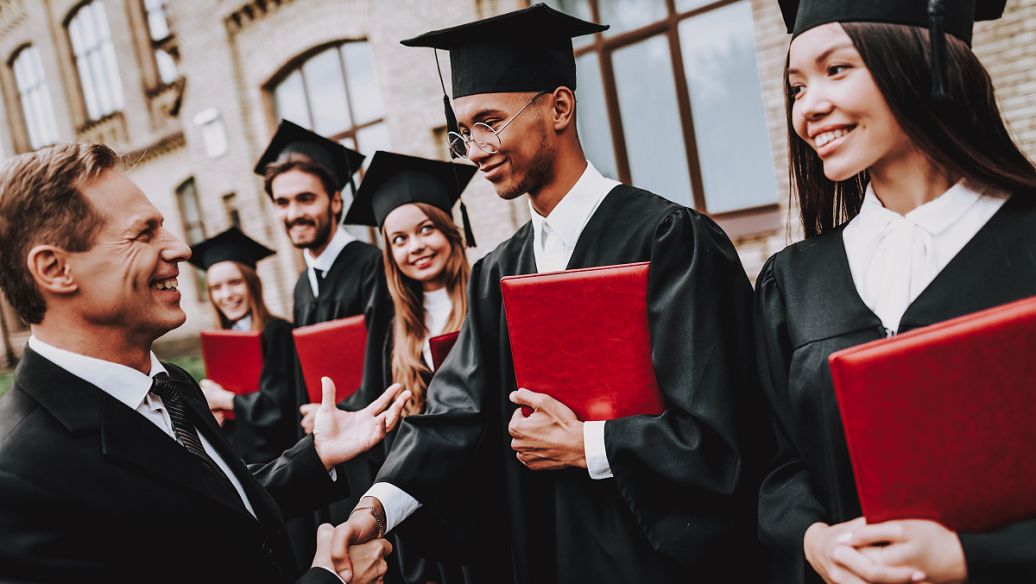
column 340, row 435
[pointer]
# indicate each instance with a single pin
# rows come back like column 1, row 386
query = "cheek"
column 399, row 253
column 439, row 244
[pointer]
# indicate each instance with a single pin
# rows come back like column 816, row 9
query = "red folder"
column 233, row 359
column 581, row 336
column 332, row 349
column 440, row 347
column 939, row 421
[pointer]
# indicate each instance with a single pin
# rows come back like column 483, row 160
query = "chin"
column 840, row 172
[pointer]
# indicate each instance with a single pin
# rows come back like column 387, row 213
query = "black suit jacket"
column 92, row 491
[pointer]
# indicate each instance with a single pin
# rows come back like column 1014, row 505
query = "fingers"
column 866, row 535
column 327, row 397
column 395, row 411
column 325, row 540
column 344, row 535
column 514, row 427
column 307, row 409
column 869, row 571
column 383, row 400
column 525, row 397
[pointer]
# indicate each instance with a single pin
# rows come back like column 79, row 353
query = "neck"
column 112, row 345
column 568, row 167
column 314, row 252
column 432, row 285
column 909, row 182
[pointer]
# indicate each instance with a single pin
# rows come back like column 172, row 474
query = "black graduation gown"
column 807, row 307
column 681, row 504
column 265, row 422
column 355, row 284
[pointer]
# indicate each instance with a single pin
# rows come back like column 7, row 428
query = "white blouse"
column 894, row 257
column 437, row 308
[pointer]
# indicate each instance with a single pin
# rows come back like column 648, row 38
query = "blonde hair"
column 408, row 327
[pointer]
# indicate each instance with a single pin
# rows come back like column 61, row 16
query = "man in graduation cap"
column 666, row 498
column 304, row 174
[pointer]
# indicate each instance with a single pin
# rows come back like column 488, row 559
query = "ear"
column 51, row 271
column 564, row 108
column 336, row 203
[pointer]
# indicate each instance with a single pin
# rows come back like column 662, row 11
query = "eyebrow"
column 483, row 114
column 142, row 225
column 824, row 55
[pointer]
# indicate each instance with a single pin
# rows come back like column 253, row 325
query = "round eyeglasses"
column 481, row 134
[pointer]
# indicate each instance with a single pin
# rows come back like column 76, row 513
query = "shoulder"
column 16, row 408
column 363, row 249
column 503, row 259
column 804, row 256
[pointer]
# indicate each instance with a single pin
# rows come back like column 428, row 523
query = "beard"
column 540, row 172
column 324, row 231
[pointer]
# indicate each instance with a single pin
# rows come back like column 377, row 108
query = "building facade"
column 682, row 97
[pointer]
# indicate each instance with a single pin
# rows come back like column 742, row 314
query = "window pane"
column 625, row 15
column 579, row 9
column 95, row 59
column 326, row 90
column 166, row 66
column 112, row 69
column 371, row 139
column 592, row 116
column 34, row 98
column 364, row 90
column 290, row 100
column 729, row 120
column 156, row 20
column 688, row 5
column 651, row 119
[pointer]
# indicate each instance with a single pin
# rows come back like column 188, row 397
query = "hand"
column 309, row 415
column 340, row 436
column 926, row 546
column 551, row 438
column 360, row 528
column 217, row 397
column 368, row 558
column 829, row 553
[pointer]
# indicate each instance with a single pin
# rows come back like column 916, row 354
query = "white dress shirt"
column 323, row 262
column 554, row 239
column 243, row 324
column 894, row 257
column 437, row 308
column 132, row 388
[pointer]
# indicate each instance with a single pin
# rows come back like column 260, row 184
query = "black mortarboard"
column 523, row 50
column 397, row 179
column 293, row 141
column 230, row 246
column 956, row 17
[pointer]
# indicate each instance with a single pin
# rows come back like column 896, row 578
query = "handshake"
column 355, row 550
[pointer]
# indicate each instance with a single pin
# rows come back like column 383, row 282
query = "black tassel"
column 937, row 43
column 469, row 235
column 451, row 117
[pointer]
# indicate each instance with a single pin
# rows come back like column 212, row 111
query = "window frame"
column 41, row 86
column 88, row 119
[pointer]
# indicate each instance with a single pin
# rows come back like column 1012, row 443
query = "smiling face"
column 419, row 249
column 228, row 290
column 306, row 208
column 837, row 107
column 523, row 163
column 127, row 280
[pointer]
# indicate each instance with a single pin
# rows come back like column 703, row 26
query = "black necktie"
column 186, row 434
column 320, row 274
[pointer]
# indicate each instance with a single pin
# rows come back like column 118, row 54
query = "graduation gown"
column 807, row 307
column 681, row 504
column 355, row 284
column 265, row 422
column 91, row 491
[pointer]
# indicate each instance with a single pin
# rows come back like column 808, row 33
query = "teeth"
column 827, row 137
column 169, row 284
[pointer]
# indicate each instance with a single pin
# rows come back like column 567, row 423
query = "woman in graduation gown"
column 917, row 207
column 409, row 199
column 264, row 423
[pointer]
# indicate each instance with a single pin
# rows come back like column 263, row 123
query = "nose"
column 175, row 250
column 293, row 211
column 476, row 154
column 415, row 245
column 814, row 104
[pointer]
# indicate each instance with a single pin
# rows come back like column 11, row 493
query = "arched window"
column 35, row 98
column 95, row 60
column 335, row 93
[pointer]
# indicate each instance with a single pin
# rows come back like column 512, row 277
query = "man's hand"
column 551, row 438
column 340, row 436
column 217, row 397
column 360, row 528
column 368, row 558
column 828, row 551
column 926, row 546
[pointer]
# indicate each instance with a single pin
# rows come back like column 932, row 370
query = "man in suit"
column 111, row 467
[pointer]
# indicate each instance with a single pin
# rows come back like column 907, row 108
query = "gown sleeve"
column 687, row 474
column 270, row 413
column 1007, row 554
column 788, row 504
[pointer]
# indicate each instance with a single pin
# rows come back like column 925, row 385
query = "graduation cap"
column 940, row 17
column 397, row 179
column 293, row 142
column 524, row 50
column 230, row 246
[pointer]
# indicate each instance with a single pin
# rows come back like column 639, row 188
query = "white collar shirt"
column 326, row 259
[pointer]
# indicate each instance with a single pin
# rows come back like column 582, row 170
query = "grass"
column 6, row 381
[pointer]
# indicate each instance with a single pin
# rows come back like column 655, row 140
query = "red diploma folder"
column 441, row 346
column 939, row 420
column 233, row 359
column 581, row 336
column 332, row 349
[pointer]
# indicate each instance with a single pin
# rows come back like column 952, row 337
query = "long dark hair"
column 964, row 135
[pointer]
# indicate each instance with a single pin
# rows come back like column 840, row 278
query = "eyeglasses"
column 483, row 135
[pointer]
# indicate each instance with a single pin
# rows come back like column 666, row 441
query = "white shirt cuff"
column 398, row 504
column 596, row 455
column 334, row 474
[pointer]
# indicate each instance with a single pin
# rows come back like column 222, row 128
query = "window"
column 230, row 206
column 335, row 92
column 193, row 226
column 162, row 41
column 34, row 98
column 670, row 100
column 95, row 60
